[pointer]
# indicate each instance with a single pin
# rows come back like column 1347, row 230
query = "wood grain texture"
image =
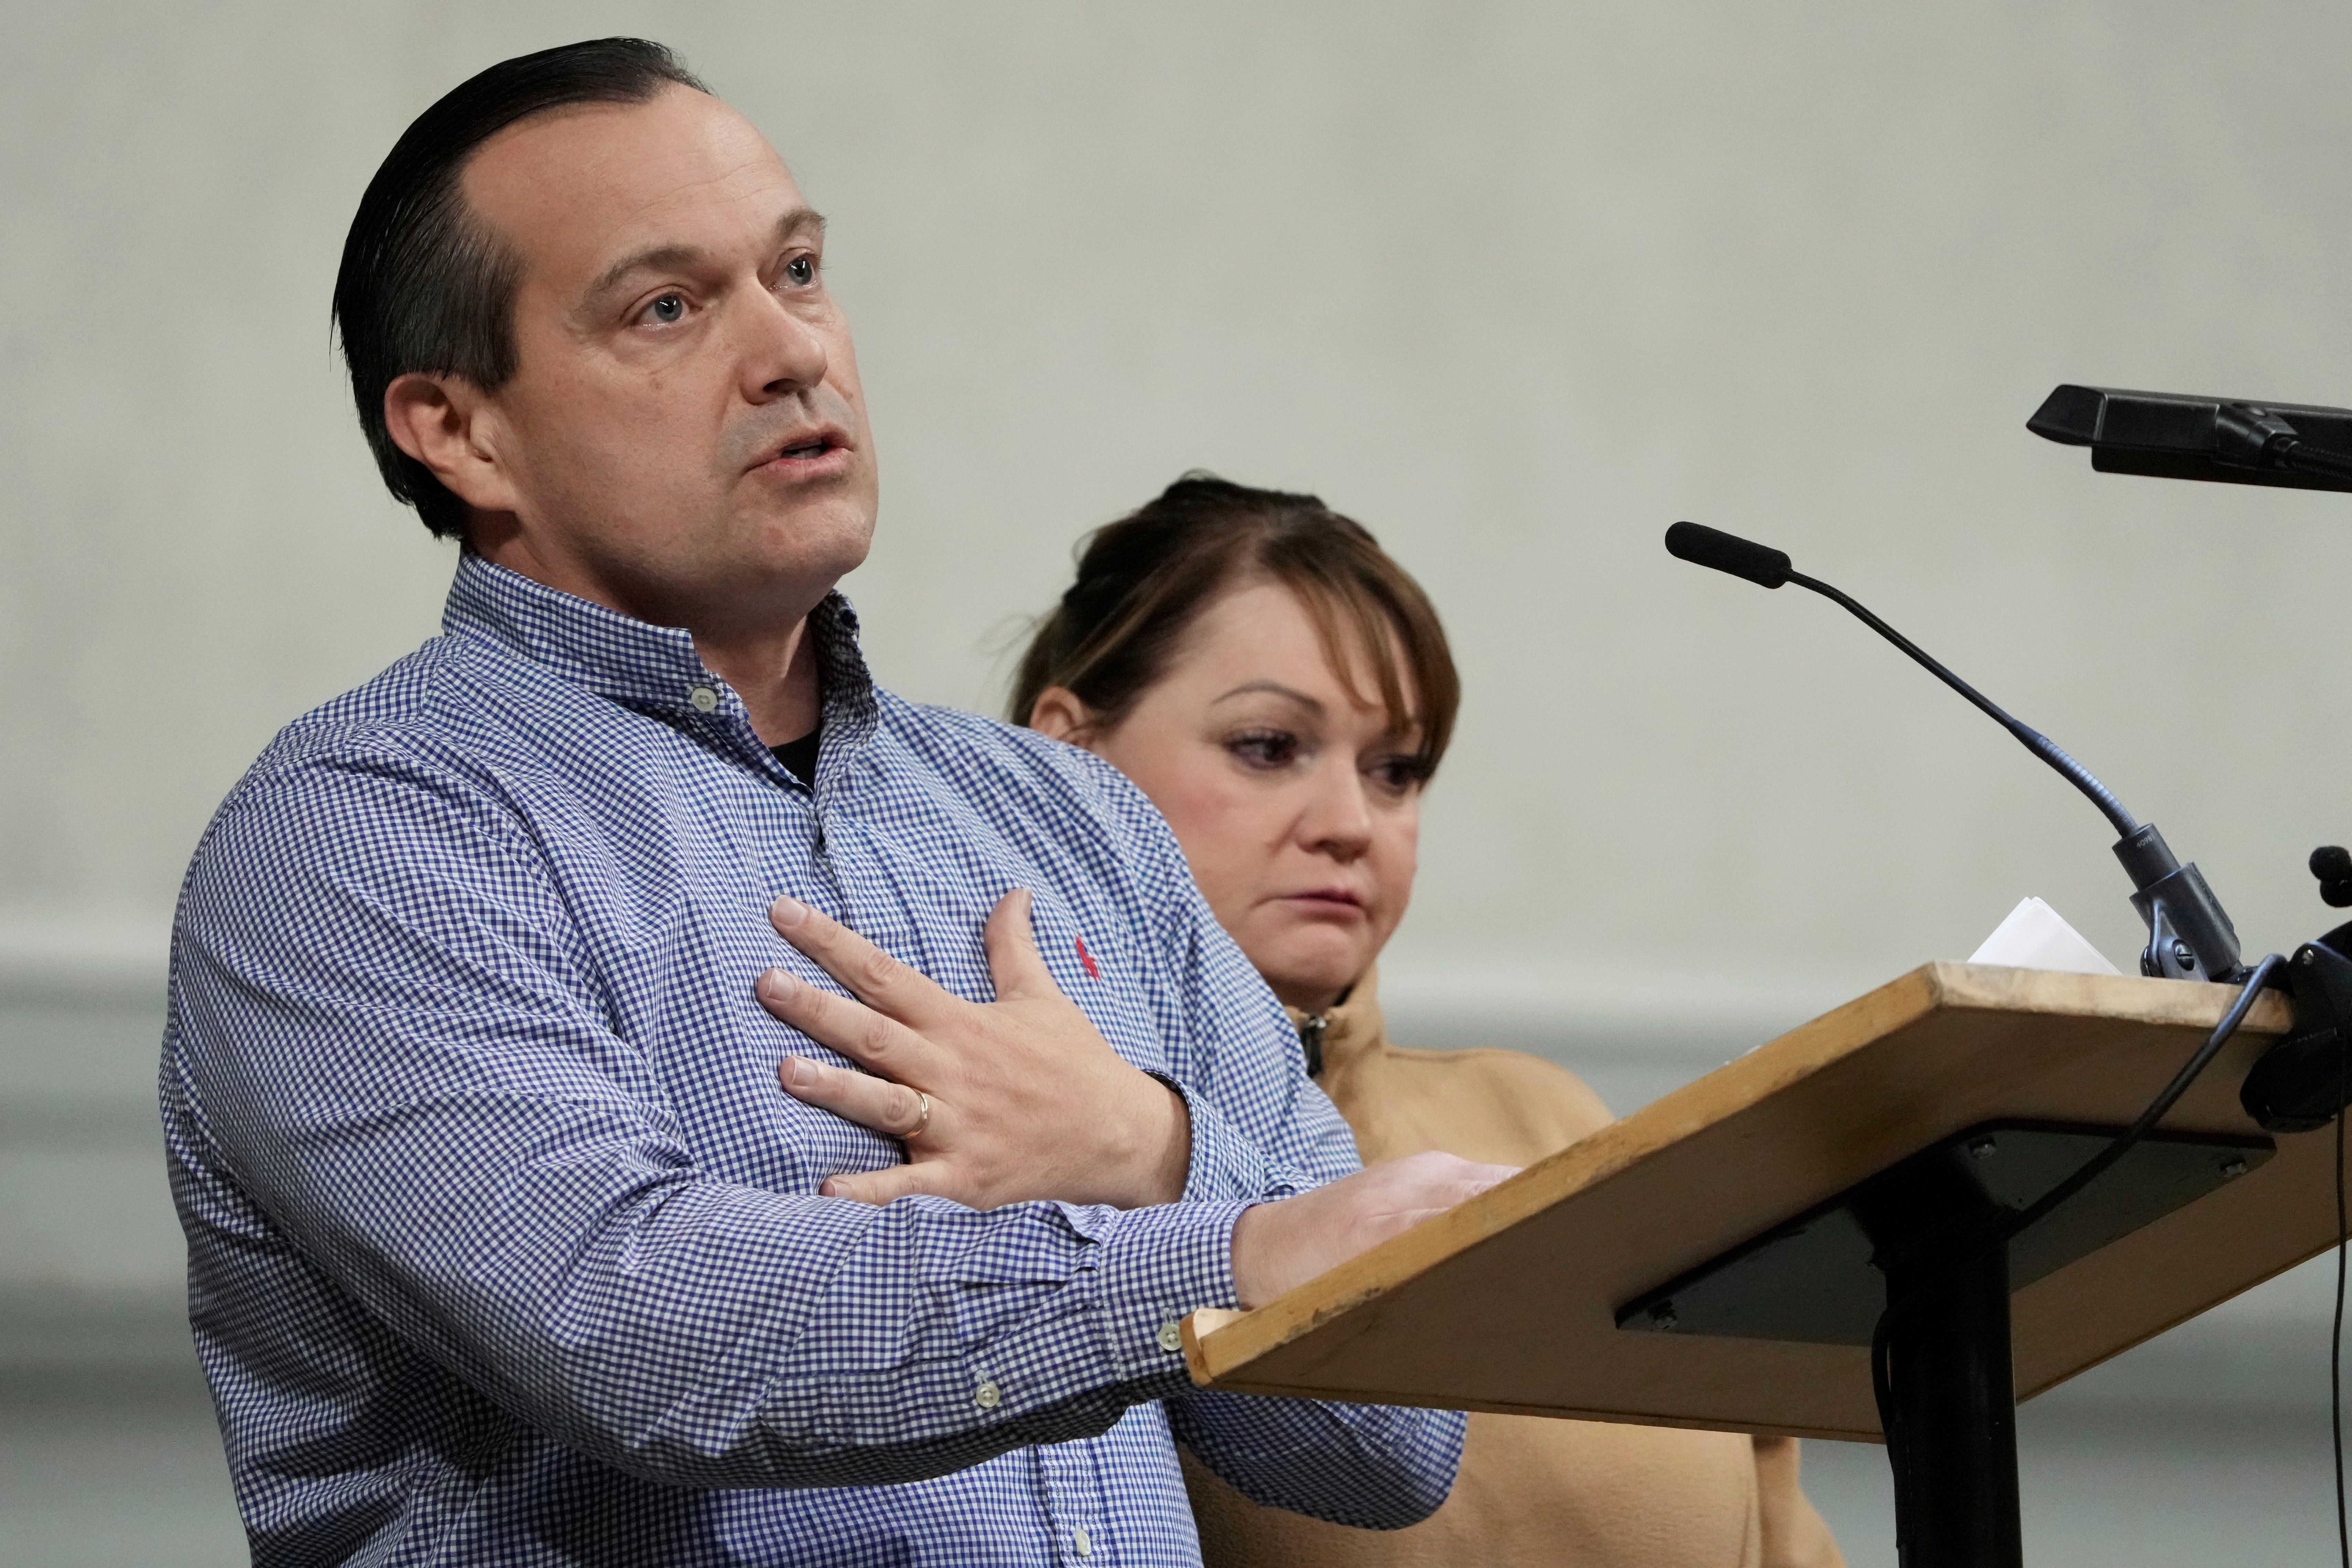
column 1508, row 1302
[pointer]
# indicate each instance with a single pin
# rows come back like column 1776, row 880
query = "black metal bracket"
column 2300, row 1083
column 1920, row 1238
column 1821, row 1277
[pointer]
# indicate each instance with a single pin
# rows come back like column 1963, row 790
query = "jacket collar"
column 656, row 670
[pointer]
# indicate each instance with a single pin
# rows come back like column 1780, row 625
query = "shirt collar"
column 653, row 669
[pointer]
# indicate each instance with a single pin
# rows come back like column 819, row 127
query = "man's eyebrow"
column 661, row 257
column 1249, row 688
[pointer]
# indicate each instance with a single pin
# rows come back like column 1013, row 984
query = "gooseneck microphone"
column 2189, row 936
column 1703, row 545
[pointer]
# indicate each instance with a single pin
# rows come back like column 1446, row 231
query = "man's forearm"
column 979, row 1355
column 1376, row 1467
column 701, row 1333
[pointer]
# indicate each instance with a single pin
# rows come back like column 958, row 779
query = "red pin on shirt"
column 1089, row 961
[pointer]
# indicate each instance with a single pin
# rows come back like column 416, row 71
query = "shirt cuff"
column 1158, row 1267
column 1226, row 1165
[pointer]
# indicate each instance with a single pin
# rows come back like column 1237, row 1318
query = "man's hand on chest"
column 997, row 1102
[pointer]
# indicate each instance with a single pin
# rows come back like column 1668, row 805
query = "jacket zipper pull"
column 1311, row 1041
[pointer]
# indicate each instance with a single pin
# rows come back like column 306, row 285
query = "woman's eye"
column 669, row 310
column 801, row 271
column 1397, row 775
column 1265, row 748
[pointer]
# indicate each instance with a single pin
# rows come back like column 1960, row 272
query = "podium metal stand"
column 1718, row 1258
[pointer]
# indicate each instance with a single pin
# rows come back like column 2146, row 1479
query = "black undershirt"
column 799, row 757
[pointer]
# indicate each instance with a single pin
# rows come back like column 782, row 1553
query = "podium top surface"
column 1509, row 1302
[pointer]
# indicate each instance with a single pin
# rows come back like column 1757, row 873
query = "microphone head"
column 1703, row 545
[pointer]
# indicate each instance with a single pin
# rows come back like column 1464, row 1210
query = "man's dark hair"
column 425, row 286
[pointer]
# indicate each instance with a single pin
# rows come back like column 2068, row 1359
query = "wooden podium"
column 1695, row 1264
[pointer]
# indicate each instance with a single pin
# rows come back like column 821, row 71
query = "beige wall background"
column 1516, row 284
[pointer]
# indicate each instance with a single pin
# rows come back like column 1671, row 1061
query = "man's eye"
column 668, row 309
column 801, row 271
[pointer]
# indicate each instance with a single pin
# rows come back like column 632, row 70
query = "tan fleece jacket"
column 1532, row 1489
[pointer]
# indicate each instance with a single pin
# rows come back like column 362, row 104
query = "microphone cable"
column 2310, row 459
column 2098, row 1165
column 2335, row 1330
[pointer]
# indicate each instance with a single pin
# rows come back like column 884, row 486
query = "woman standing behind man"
column 1283, row 691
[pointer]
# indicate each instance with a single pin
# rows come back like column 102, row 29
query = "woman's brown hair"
column 1143, row 579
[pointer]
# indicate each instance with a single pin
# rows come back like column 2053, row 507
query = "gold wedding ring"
column 922, row 1120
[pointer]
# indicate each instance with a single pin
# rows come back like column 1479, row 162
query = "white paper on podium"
column 2035, row 938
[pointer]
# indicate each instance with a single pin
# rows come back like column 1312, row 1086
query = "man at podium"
column 504, row 1247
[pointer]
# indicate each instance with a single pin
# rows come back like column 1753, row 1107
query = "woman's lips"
column 1331, row 902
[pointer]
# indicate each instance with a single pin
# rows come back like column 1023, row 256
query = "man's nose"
column 784, row 352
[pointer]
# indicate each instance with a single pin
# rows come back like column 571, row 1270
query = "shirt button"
column 1171, row 1336
column 986, row 1396
column 1084, row 1543
column 703, row 698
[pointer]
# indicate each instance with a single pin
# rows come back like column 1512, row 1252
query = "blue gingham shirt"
column 504, row 1246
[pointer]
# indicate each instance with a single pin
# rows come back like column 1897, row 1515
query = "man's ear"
column 1058, row 712
column 445, row 424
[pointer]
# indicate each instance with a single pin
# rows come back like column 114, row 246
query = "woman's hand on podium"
column 1280, row 1245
